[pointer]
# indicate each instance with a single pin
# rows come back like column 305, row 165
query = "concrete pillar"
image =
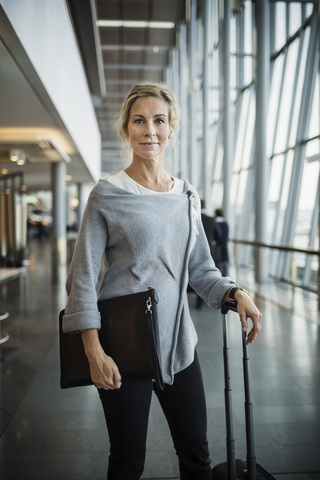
column 225, row 90
column 59, row 230
column 262, row 93
column 192, row 173
column 183, row 144
column 205, row 175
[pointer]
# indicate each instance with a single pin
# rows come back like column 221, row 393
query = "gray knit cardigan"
column 146, row 241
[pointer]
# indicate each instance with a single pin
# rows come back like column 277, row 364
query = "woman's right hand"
column 104, row 371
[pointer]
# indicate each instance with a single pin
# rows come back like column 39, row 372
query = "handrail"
column 286, row 248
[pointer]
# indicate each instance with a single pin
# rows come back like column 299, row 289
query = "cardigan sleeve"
column 204, row 277
column 81, row 311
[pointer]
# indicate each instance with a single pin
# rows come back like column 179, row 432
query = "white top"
column 123, row 180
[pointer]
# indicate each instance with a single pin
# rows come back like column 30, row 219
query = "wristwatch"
column 234, row 290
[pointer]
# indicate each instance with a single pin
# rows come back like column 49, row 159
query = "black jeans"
column 183, row 403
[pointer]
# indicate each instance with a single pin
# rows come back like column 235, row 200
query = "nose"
column 150, row 128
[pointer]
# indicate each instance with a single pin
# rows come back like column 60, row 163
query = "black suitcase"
column 238, row 469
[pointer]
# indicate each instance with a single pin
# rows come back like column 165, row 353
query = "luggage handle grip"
column 226, row 306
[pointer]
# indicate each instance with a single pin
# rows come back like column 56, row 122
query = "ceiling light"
column 134, row 24
column 168, row 25
column 135, row 48
column 17, row 155
column 14, row 155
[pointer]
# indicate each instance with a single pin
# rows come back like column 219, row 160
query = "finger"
column 244, row 323
column 117, row 380
column 252, row 335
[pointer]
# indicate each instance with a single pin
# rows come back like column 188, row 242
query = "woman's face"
column 148, row 128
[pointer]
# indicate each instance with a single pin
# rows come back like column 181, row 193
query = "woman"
column 147, row 225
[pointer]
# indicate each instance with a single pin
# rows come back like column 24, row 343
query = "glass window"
column 314, row 125
column 234, row 190
column 286, row 98
column 307, row 202
column 242, row 187
column 300, row 73
column 289, row 77
column 219, row 162
column 233, row 78
column 233, row 36
column 248, row 28
column 286, row 181
column 313, row 149
column 280, row 30
column 275, row 179
column 243, row 117
column 295, row 18
column 248, row 70
column 250, row 125
column 217, row 195
column 274, row 100
column 309, row 8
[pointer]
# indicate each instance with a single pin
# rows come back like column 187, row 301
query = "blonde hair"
column 142, row 90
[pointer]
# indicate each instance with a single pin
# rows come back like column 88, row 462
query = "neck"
column 156, row 179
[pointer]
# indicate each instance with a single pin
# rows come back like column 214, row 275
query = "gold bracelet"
column 234, row 290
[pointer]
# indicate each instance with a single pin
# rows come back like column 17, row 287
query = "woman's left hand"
column 247, row 309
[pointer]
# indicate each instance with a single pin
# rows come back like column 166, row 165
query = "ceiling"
column 117, row 57
column 114, row 58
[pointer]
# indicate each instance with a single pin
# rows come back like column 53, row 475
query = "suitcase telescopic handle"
column 251, row 459
column 230, row 440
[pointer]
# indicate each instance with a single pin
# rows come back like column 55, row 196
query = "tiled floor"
column 54, row 434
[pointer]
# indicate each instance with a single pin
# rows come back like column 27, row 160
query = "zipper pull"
column 149, row 305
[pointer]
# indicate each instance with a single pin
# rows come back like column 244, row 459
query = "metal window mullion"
column 302, row 130
column 312, row 237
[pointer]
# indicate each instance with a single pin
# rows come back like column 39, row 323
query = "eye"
column 159, row 121
column 138, row 121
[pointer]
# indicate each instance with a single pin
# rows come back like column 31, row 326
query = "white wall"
column 46, row 33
